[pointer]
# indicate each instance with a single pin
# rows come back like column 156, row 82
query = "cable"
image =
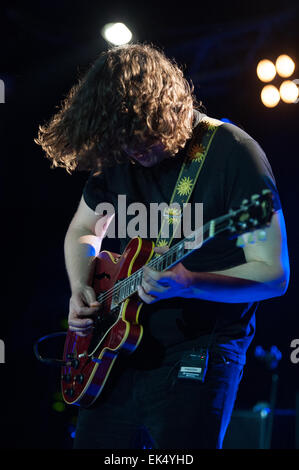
column 49, row 361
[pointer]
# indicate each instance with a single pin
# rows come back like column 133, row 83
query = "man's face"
column 146, row 150
column 147, row 155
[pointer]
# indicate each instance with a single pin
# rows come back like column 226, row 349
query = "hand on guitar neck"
column 174, row 282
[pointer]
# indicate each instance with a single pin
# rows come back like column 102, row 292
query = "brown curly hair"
column 130, row 94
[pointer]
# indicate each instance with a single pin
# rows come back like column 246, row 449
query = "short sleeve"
column 248, row 172
column 94, row 191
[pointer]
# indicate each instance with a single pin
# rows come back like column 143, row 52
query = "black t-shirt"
column 235, row 168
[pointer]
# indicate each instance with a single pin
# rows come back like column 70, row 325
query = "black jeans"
column 154, row 409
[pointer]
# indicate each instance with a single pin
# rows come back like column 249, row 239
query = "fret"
column 134, row 283
column 121, row 294
column 164, row 263
column 131, row 286
column 115, row 297
column 159, row 263
column 122, row 291
column 212, row 229
column 180, row 250
column 169, row 256
column 139, row 279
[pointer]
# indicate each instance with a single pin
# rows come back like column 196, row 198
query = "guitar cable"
column 50, row 361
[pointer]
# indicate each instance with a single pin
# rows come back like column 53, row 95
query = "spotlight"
column 116, row 33
column 285, row 66
column 289, row 91
column 270, row 96
column 265, row 70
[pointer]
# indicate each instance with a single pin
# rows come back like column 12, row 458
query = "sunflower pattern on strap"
column 185, row 186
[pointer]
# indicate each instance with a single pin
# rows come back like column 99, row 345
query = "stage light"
column 116, row 33
column 288, row 91
column 285, row 66
column 270, row 96
column 265, row 70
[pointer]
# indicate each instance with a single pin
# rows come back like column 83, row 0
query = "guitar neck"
column 250, row 216
column 170, row 258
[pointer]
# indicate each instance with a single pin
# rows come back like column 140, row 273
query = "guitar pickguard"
column 103, row 323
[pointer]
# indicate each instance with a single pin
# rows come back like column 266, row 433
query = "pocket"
column 219, row 358
column 224, row 357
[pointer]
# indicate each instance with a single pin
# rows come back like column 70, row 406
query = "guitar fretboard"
column 129, row 286
column 250, row 216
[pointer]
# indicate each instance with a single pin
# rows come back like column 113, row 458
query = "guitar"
column 88, row 360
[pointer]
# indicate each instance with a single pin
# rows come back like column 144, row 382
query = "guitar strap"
column 195, row 156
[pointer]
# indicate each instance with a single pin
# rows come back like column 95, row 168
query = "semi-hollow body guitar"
column 89, row 359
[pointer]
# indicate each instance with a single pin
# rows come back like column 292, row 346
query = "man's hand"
column 157, row 286
column 83, row 305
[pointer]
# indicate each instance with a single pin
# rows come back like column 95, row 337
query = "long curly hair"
column 130, row 95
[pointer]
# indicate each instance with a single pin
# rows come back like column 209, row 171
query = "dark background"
column 43, row 47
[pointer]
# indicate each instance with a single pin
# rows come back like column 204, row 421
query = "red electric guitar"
column 89, row 359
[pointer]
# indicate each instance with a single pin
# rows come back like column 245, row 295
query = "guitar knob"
column 75, row 363
column 69, row 392
column 67, row 378
column 79, row 378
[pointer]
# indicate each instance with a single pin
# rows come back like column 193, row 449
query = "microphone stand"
column 270, row 359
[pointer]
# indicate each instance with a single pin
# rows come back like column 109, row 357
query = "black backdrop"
column 45, row 44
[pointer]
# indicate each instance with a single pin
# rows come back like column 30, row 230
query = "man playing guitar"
column 130, row 120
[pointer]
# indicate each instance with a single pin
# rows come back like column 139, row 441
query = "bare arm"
column 264, row 275
column 81, row 247
column 79, row 256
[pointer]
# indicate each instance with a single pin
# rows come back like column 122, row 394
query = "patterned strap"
column 191, row 167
